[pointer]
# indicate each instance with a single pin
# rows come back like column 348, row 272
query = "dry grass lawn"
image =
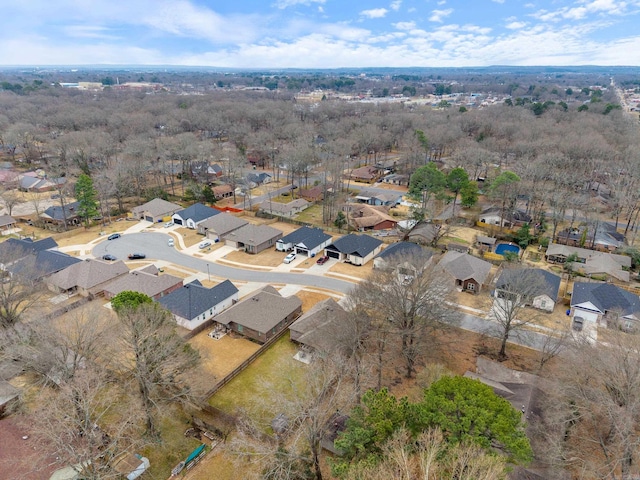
column 353, row 270
column 267, row 258
column 309, row 299
column 190, row 237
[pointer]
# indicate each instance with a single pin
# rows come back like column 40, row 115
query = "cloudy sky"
column 320, row 33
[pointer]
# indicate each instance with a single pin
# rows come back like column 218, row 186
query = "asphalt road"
column 154, row 246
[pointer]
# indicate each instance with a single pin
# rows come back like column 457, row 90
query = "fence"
column 67, row 308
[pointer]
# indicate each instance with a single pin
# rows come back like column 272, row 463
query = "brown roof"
column 319, row 326
column 139, row 281
column 368, row 216
column 87, row 274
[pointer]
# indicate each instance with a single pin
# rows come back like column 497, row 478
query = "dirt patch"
column 267, row 258
column 352, row 270
column 20, row 457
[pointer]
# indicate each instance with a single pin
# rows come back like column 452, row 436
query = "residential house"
column 261, row 315
column 253, row 238
column 604, row 304
column 222, row 191
column 13, row 249
column 397, row 179
column 37, row 266
column 494, row 216
column 591, row 262
column 156, row 210
column 58, row 215
column 367, row 217
column 88, row 278
column 543, row 283
column 366, row 174
column 285, row 209
column 219, row 226
column 602, row 237
column 468, row 272
column 305, row 240
column 38, row 182
column 259, row 178
column 355, row 249
column 386, row 198
column 321, row 327
column 396, row 252
column 193, row 304
column 144, row 281
column 313, row 194
column 485, row 244
column 7, row 223
column 215, row 170
column 425, row 233
column 192, row 216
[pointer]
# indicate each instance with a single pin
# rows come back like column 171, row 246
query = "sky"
column 320, row 33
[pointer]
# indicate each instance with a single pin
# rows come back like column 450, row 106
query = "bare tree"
column 10, row 199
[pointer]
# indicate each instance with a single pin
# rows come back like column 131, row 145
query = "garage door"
column 333, row 254
column 149, row 219
column 302, row 251
column 177, row 221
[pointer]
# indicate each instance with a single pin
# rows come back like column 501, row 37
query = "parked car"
column 290, row 258
column 113, row 236
column 171, row 243
column 168, row 224
column 109, row 257
column 136, row 256
column 322, row 260
column 204, row 244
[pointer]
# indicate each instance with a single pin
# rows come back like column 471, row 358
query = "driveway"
column 154, row 246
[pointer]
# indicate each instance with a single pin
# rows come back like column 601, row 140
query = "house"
column 604, row 304
column 218, row 226
column 397, row 252
column 485, row 244
column 215, row 170
column 367, row 217
column 58, row 215
column 7, row 223
column 253, row 238
column 36, row 266
column 192, row 216
column 156, row 210
column 38, row 182
column 397, row 179
column 306, row 240
column 469, row 272
column 222, row 191
column 321, row 327
column 591, row 262
column 387, row 198
column 366, row 174
column 192, row 305
column 262, row 315
column 493, row 216
column 355, row 249
column 13, row 249
column 544, row 283
column 144, row 281
column 313, row 194
column 285, row 209
column 425, row 233
column 87, row 277
column 602, row 237
column 259, row 178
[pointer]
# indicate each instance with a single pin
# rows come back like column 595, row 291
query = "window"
column 543, row 304
column 240, row 328
column 471, row 286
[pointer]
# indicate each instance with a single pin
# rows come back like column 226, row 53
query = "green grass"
column 457, row 240
column 274, row 374
column 313, row 215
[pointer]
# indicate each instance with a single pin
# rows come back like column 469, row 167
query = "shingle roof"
column 320, row 326
column 6, row 220
column 87, row 274
column 197, row 212
column 55, row 212
column 223, row 223
column 43, row 263
column 261, row 311
column 139, row 281
column 278, row 207
column 605, row 297
column 463, row 266
column 352, row 244
column 157, row 207
column 193, row 299
column 550, row 285
column 310, row 237
column 254, row 234
column 14, row 248
column 400, row 249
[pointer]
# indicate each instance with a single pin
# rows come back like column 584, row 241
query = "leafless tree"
column 10, row 199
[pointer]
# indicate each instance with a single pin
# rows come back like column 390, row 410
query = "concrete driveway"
column 154, row 246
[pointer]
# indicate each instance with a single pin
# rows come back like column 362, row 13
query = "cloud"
column 282, row 4
column 515, row 25
column 439, row 15
column 374, row 13
column 405, row 25
column 498, row 1
column 88, row 31
column 395, row 5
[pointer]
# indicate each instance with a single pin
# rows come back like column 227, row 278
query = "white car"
column 290, row 258
column 168, row 224
column 204, row 244
column 171, row 243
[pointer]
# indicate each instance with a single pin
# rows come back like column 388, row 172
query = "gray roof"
column 605, row 297
column 157, row 207
column 463, row 266
column 56, row 212
column 87, row 274
column 319, row 327
column 401, row 249
column 14, row 248
column 278, row 207
column 251, row 234
column 6, row 220
column 352, row 244
column 43, row 263
column 310, row 237
column 261, row 311
column 550, row 283
column 223, row 223
column 139, row 281
column 193, row 299
column 197, row 212
column 486, row 240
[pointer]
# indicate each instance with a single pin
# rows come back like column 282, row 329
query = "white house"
column 194, row 215
column 305, row 240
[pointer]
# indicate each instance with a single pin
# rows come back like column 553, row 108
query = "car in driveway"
column 322, row 260
column 290, row 258
column 113, row 236
column 204, row 244
column 109, row 257
column 136, row 256
column 168, row 224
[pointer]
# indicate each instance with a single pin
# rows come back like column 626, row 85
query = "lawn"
column 352, row 270
column 190, row 237
column 267, row 258
column 312, row 215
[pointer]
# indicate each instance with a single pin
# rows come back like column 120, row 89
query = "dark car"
column 322, row 260
column 109, row 257
column 113, row 236
column 136, row 256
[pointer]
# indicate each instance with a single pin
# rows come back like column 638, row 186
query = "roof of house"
column 56, row 213
column 6, row 220
column 386, row 197
column 595, row 262
column 513, row 215
column 308, row 236
column 425, row 231
column 605, row 297
column 313, row 192
column 87, row 274
column 550, row 283
column 463, row 266
column 277, row 207
column 193, row 299
column 223, row 223
column 352, row 244
column 14, row 248
column 486, row 240
column 157, row 207
column 261, row 311
column 254, row 234
column 320, row 326
column 365, row 172
column 197, row 212
column 43, row 263
column 365, row 216
column 400, row 250
column 139, row 281
column 222, row 189
column 257, row 177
